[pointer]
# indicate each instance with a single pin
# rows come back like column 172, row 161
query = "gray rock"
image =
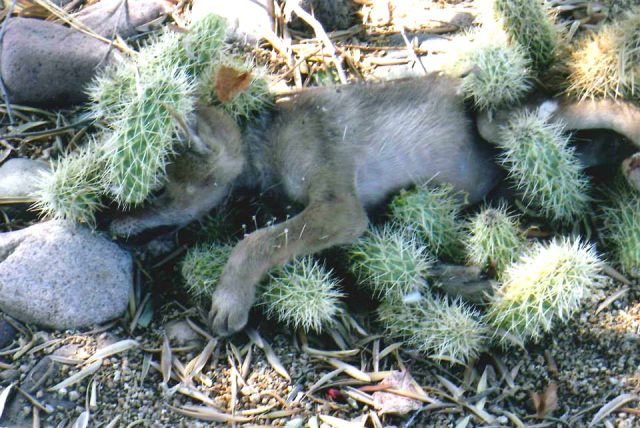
column 110, row 17
column 19, row 176
column 46, row 63
column 61, row 276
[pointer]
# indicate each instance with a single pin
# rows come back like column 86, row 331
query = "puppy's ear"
column 230, row 82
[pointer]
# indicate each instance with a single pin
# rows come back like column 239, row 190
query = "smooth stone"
column 19, row 176
column 62, row 276
column 48, row 64
column 180, row 333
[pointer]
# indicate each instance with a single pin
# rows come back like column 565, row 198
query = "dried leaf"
column 85, row 372
column 611, row 406
column 386, row 402
column 209, row 414
column 340, row 423
column 455, row 390
column 203, row 357
column 114, row 348
column 350, row 370
column 272, row 358
column 545, row 403
column 3, row 397
column 82, row 421
column 230, row 82
column 165, row 359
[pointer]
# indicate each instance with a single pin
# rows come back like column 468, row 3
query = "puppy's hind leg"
column 333, row 216
column 619, row 116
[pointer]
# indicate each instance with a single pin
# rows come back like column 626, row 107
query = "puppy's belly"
column 466, row 165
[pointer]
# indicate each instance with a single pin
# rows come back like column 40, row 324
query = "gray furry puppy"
column 338, row 151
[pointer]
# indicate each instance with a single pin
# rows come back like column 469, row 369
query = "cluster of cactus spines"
column 110, row 91
column 71, row 190
column 543, row 166
column 607, row 63
column 390, row 262
column 435, row 325
column 621, row 229
column 529, row 23
column 138, row 100
column 499, row 75
column 494, row 240
column 136, row 152
column 247, row 101
column 547, row 285
column 302, row 294
column 431, row 213
column 202, row 267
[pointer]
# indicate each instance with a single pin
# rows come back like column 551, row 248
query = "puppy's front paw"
column 229, row 311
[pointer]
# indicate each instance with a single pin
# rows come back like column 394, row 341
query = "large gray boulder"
column 47, row 63
column 61, row 276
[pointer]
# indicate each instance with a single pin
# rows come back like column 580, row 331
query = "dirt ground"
column 587, row 373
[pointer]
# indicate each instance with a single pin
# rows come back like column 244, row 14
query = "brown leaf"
column 230, row 82
column 386, row 402
column 545, row 403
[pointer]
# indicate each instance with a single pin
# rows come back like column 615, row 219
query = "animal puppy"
column 338, row 151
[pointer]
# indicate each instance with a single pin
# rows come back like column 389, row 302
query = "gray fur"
column 338, row 151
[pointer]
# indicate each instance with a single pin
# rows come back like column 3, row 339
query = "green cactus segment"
column 500, row 75
column 621, row 229
column 449, row 330
column 112, row 90
column 71, row 191
column 202, row 44
column 544, row 168
column 529, row 23
column 431, row 213
column 494, row 239
column 202, row 268
column 389, row 262
column 247, row 102
column 546, row 285
column 139, row 99
column 136, row 152
column 303, row 295
column 607, row 63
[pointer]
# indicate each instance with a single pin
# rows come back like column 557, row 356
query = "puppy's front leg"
column 334, row 216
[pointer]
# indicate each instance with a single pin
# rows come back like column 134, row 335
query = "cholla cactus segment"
column 544, row 168
column 621, row 229
column 252, row 97
column 390, row 262
column 494, row 239
column 136, row 153
column 302, row 294
column 450, row 330
column 499, row 75
column 202, row 267
column 545, row 286
column 431, row 213
column 203, row 42
column 529, row 23
column 607, row 63
column 112, row 90
column 72, row 191
column 138, row 99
